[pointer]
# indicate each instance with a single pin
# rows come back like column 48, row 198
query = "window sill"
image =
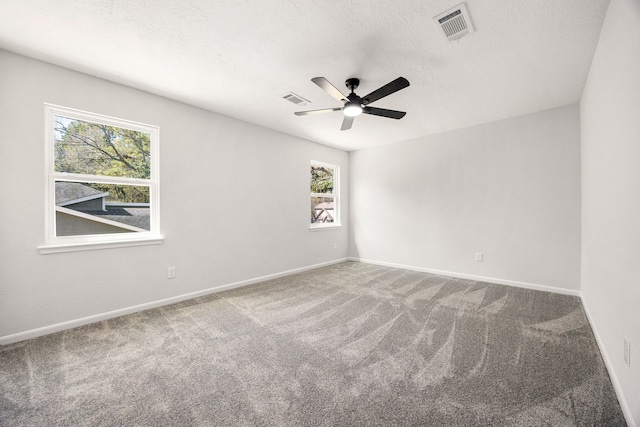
column 324, row 227
column 91, row 246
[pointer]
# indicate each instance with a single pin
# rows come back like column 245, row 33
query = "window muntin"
column 102, row 178
column 324, row 191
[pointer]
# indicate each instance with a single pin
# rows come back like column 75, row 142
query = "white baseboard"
column 612, row 373
column 46, row 330
column 473, row 277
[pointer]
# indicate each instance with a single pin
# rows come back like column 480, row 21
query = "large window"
column 102, row 180
column 324, row 186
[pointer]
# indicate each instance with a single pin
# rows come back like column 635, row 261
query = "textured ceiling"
column 240, row 57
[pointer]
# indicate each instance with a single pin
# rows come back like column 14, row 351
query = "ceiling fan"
column 354, row 105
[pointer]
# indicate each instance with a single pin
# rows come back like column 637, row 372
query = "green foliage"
column 123, row 193
column 97, row 149
column 321, row 180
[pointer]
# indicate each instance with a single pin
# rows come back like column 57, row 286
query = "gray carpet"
column 349, row 344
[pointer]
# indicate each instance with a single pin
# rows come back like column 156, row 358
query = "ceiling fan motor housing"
column 354, row 98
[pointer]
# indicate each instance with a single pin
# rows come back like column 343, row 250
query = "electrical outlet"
column 335, row 245
column 627, row 352
column 171, row 273
column 479, row 256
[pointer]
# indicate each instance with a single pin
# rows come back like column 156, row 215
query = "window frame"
column 54, row 243
column 336, row 197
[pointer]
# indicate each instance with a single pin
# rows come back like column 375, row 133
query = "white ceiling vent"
column 296, row 99
column 454, row 23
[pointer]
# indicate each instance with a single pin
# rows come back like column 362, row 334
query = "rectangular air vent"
column 296, row 99
column 454, row 23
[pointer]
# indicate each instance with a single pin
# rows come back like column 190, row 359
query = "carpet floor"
column 349, row 344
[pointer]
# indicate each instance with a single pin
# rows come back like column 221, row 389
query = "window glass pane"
column 96, row 149
column 84, row 208
column 322, row 179
column 322, row 210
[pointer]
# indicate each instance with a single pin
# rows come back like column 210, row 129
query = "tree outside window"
column 324, row 194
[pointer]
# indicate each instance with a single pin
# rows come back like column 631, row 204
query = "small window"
column 102, row 178
column 325, row 208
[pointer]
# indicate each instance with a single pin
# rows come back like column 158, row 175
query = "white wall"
column 610, row 117
column 235, row 203
column 509, row 189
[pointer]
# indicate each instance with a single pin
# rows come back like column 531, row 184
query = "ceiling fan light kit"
column 352, row 109
column 354, row 105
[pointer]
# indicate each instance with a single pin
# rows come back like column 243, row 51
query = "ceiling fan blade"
column 329, row 88
column 392, row 114
column 324, row 110
column 347, row 122
column 388, row 89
